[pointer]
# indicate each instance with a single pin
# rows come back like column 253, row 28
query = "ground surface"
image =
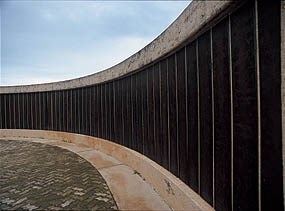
column 41, row 176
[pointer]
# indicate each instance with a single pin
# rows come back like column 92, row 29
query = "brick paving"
column 44, row 177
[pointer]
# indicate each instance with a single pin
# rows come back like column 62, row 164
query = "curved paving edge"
column 42, row 176
column 175, row 193
column 187, row 26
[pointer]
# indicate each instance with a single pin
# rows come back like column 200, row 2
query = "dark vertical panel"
column 80, row 110
column 97, row 110
column 125, row 113
column 23, row 110
column 75, row 104
column 6, row 99
column 245, row 135
column 156, row 96
column 172, row 114
column 56, row 114
column 32, row 108
column 143, row 107
column 18, row 113
column 192, row 108
column 64, row 108
column 4, row 111
column 28, row 110
column 84, row 110
column 67, row 109
column 73, row 110
column 44, row 118
column 115, row 85
column 35, row 110
column 93, row 100
column 139, row 112
column 60, row 110
column 38, row 110
column 164, row 113
column 270, row 102
column 103, row 110
column 118, row 125
column 144, row 111
column 128, row 122
column 99, row 123
column 9, row 111
column 89, row 107
column 2, row 115
column 121, row 120
column 12, row 110
column 48, row 111
column 182, row 115
column 52, row 114
column 222, row 116
column 205, row 102
column 102, row 106
column 135, row 111
column 111, row 109
column 151, row 142
column 107, row 115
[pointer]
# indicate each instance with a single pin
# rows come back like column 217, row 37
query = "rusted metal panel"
column 156, row 111
column 192, row 108
column 206, row 124
column 145, row 112
column 139, row 112
column 222, row 115
column 173, row 114
column 150, row 109
column 270, row 101
column 245, row 120
column 164, row 113
column 182, row 115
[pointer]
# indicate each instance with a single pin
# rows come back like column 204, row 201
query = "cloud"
column 47, row 41
column 65, row 64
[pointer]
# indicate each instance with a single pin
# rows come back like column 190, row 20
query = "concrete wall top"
column 186, row 27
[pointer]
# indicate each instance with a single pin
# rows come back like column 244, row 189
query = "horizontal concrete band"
column 186, row 27
column 176, row 194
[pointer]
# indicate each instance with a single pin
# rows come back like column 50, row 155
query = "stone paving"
column 44, row 177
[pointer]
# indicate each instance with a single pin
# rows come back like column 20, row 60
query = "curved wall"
column 207, row 107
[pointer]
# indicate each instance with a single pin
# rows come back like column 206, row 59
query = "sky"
column 47, row 41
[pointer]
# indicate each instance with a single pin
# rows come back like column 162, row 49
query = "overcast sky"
column 46, row 41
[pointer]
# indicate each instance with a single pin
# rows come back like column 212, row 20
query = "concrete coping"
column 174, row 192
column 186, row 27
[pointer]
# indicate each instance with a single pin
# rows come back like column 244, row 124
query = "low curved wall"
column 177, row 195
column 203, row 101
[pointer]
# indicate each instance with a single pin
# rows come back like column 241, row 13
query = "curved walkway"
column 41, row 176
column 58, row 175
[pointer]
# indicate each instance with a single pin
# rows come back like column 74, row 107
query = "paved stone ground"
column 45, row 177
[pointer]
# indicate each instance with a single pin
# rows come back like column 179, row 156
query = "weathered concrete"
column 173, row 191
column 194, row 18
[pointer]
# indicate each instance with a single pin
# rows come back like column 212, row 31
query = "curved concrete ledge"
column 176, row 194
column 185, row 28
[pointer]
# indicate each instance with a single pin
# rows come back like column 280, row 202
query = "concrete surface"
column 171, row 189
column 129, row 190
